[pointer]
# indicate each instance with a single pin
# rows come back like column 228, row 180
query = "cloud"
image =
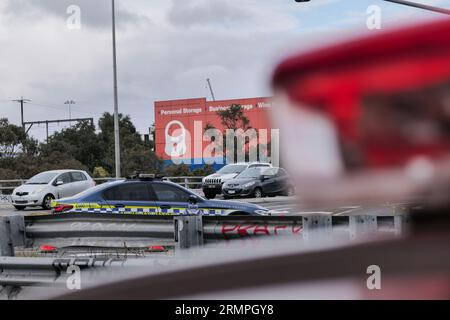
column 166, row 50
column 94, row 13
column 204, row 12
column 245, row 16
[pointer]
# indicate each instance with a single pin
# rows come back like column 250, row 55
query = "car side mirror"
column 59, row 182
column 193, row 199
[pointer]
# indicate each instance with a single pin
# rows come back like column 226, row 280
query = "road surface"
column 283, row 205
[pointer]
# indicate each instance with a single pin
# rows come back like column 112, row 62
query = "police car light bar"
column 147, row 176
column 142, row 176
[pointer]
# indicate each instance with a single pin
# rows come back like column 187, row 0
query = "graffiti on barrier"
column 247, row 230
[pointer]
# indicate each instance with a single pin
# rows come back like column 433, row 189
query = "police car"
column 147, row 195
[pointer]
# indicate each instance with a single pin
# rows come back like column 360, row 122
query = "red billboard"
column 180, row 124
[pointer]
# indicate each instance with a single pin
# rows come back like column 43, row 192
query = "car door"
column 78, row 182
column 64, row 190
column 281, row 181
column 269, row 184
column 171, row 199
column 130, row 198
column 86, row 182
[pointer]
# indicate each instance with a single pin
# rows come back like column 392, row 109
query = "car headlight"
column 264, row 212
column 249, row 184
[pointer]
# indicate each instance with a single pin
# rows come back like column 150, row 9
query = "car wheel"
column 47, row 202
column 258, row 193
column 20, row 208
column 209, row 194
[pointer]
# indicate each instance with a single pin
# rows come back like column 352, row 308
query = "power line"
column 60, row 108
column 47, row 122
column 45, row 106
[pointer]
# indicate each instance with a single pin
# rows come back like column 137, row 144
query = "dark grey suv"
column 258, row 182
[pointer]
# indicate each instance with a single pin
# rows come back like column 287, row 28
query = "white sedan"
column 44, row 187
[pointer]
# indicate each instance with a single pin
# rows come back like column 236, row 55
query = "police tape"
column 138, row 210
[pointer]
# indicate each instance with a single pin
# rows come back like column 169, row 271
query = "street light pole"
column 70, row 103
column 116, row 103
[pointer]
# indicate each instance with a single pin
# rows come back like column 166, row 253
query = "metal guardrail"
column 94, row 230
column 428, row 250
column 9, row 185
column 130, row 232
column 139, row 231
column 194, row 182
column 16, row 271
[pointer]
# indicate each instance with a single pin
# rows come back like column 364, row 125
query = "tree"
column 232, row 118
column 14, row 140
column 206, row 170
column 137, row 155
column 140, row 158
column 8, row 174
column 100, row 172
column 15, row 148
column 177, row 170
column 77, row 147
column 80, row 142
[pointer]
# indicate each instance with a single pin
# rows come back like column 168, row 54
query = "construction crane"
column 210, row 89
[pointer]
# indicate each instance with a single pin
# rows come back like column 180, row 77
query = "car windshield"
column 42, row 178
column 252, row 172
column 234, row 168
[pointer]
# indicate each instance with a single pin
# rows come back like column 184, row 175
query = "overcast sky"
column 166, row 50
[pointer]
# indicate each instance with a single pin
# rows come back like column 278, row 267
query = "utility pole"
column 116, row 103
column 22, row 101
column 210, row 89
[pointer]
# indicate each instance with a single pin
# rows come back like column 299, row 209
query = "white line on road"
column 347, row 211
